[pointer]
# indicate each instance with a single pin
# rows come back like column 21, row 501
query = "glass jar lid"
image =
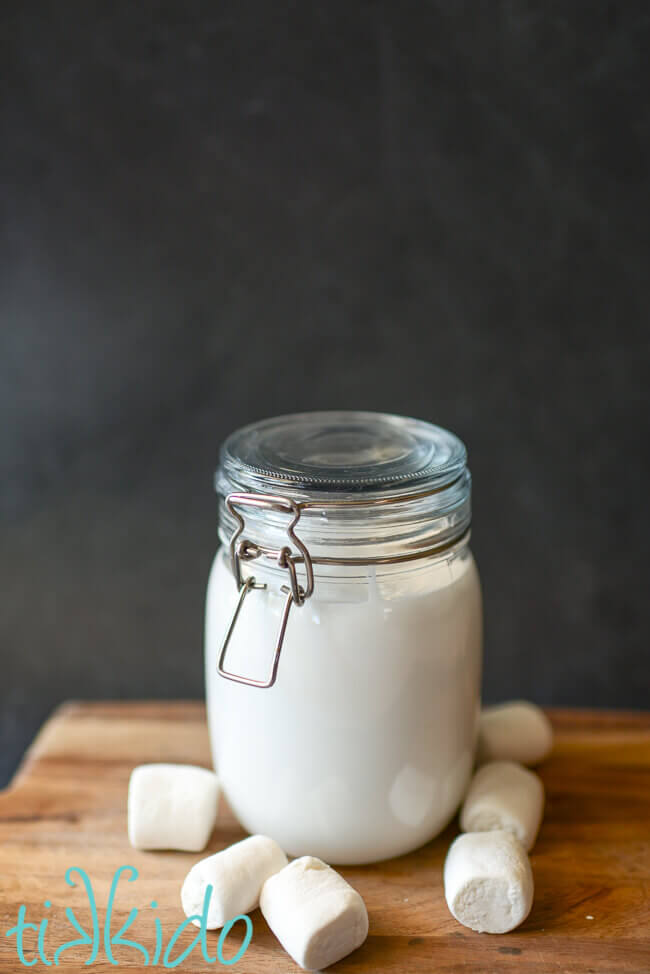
column 337, row 452
column 368, row 486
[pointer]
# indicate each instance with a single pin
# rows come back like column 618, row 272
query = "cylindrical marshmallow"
column 317, row 917
column 515, row 731
column 488, row 881
column 504, row 795
column 236, row 875
column 172, row 806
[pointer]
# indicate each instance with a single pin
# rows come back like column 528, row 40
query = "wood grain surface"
column 67, row 807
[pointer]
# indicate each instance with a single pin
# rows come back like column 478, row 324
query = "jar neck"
column 351, row 532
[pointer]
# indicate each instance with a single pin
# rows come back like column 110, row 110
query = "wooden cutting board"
column 67, row 808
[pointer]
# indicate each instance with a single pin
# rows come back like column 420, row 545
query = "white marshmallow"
column 172, row 806
column 504, row 795
column 236, row 875
column 317, row 917
column 488, row 881
column 515, row 731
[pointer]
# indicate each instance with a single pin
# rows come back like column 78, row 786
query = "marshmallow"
column 488, row 881
column 504, row 795
column 515, row 731
column 236, row 875
column 172, row 806
column 317, row 917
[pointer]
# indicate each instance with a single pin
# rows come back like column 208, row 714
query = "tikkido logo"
column 95, row 939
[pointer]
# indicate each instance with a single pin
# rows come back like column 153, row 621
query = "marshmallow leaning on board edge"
column 317, row 917
column 504, row 795
column 515, row 731
column 488, row 881
column 236, row 875
column 172, row 806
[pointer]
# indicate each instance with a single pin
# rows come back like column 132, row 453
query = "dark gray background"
column 213, row 212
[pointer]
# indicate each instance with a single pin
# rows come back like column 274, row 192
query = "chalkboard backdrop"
column 215, row 212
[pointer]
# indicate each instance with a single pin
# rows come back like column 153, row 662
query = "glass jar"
column 344, row 632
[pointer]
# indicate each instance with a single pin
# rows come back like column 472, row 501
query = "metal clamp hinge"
column 242, row 549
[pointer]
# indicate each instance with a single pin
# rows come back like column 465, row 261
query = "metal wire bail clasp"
column 241, row 549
